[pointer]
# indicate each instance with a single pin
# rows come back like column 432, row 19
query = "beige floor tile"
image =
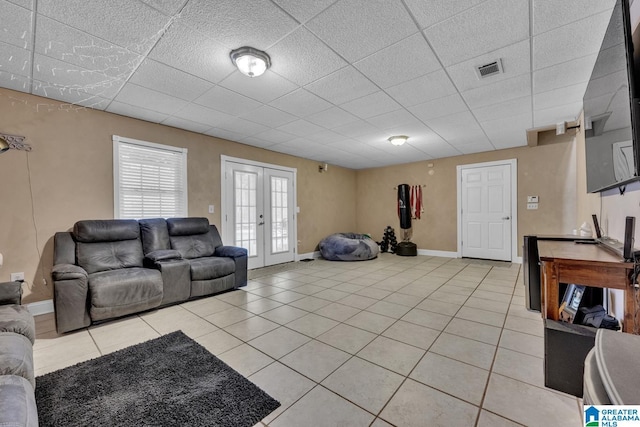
column 287, row 296
column 289, row 284
column 391, row 354
column 465, row 350
column 44, row 323
column 228, row 317
column 446, row 296
column 245, row 359
column 389, row 309
column 363, row 383
column 260, row 306
column 53, row 339
column 279, row 342
column 322, row 408
column 266, row 291
column 349, row 288
column 312, row 325
column 337, row 311
column 522, row 343
column 117, row 335
column 327, row 283
column 283, row 384
column 492, row 296
column 310, row 303
column 488, row 419
column 519, row 366
column 474, row 330
column 284, row 314
column 315, row 360
column 374, row 293
column 418, row 291
column 459, row 379
column 440, row 307
column 347, row 338
column 450, row 289
column 402, row 299
column 238, row 297
column 518, row 308
column 251, row 328
column 427, row 319
column 218, row 342
column 482, row 316
column 371, row 322
column 332, row 294
column 379, row 422
column 515, row 400
column 391, row 285
column 412, row 334
column 485, row 304
column 527, row 326
column 55, row 365
column 309, row 289
column 418, row 405
column 358, row 301
column 206, row 306
column 58, row 353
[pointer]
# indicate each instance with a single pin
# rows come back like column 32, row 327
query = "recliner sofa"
column 106, row 269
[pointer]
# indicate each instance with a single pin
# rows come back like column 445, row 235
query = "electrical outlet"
column 17, row 277
column 212, row 209
column 532, row 206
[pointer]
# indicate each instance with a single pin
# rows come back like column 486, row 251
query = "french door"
column 259, row 212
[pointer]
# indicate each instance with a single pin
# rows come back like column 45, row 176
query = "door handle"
column 261, row 223
column 506, row 217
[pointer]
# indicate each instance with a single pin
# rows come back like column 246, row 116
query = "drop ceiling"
column 345, row 74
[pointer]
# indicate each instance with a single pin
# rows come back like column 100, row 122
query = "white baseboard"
column 443, row 254
column 40, row 307
column 312, row 255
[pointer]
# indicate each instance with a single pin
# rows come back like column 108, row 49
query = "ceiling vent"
column 490, row 69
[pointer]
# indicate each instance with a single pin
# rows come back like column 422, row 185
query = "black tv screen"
column 611, row 111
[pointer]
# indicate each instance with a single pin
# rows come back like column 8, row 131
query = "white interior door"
column 486, row 212
column 259, row 213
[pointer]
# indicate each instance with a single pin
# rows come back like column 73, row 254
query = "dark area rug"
column 168, row 381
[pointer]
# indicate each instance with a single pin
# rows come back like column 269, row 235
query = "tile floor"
column 417, row 341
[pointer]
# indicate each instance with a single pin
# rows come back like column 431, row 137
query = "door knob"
column 261, row 223
column 505, row 217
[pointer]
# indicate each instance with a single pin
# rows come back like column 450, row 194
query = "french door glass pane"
column 279, row 221
column 245, row 186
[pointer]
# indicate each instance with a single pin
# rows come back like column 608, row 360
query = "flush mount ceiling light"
column 398, row 139
column 251, row 62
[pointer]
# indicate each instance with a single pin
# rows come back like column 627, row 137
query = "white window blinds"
column 150, row 180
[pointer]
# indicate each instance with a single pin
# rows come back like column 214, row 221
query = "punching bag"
column 404, row 206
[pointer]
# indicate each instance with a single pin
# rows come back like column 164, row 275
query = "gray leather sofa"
column 17, row 380
column 106, row 269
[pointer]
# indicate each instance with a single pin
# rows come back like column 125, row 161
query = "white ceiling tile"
column 501, row 91
column 185, row 124
column 15, row 60
column 135, row 112
column 476, row 147
column 190, row 51
column 432, row 86
column 508, row 132
column 301, row 128
column 358, row 28
column 27, row 4
column 225, row 134
column 75, row 78
column 17, row 30
column 15, row 82
column 454, row 125
column 415, row 131
column 76, row 47
column 139, row 26
column 332, row 118
column 168, row 7
column 76, row 96
column 510, row 139
column 513, row 107
column 439, row 107
column 256, row 141
column 242, row 126
column 578, row 39
column 301, row 103
column 269, row 116
column 550, row 14
column 327, row 137
column 274, row 136
column 203, row 115
column 474, row 137
column 222, row 99
column 557, row 97
column 357, row 129
column 261, row 22
column 406, row 60
column 393, row 119
column 486, row 27
column 437, row 149
column 371, row 105
column 302, row 58
column 515, row 58
column 555, row 115
column 149, row 99
column 341, row 86
column 303, row 10
column 163, row 78
column 430, row 12
column 265, row 88
column 563, row 74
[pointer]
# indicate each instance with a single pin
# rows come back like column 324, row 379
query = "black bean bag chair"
column 348, row 247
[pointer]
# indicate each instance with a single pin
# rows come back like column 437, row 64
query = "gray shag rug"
column 168, row 381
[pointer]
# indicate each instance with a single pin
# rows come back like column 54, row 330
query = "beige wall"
column 71, row 177
column 587, row 203
column 547, row 171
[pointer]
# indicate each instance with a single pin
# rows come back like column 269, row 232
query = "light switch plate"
column 212, row 209
column 532, row 199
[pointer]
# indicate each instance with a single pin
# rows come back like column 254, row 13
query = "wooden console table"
column 583, row 264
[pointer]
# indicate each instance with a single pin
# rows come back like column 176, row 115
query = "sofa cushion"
column 16, row 318
column 16, row 356
column 11, row 293
column 211, row 268
column 17, row 402
column 187, row 226
column 106, row 230
column 154, row 234
column 117, row 293
column 94, row 257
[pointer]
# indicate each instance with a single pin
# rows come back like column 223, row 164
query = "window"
column 150, row 180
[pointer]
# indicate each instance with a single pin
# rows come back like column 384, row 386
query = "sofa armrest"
column 163, row 255
column 70, row 297
column 240, row 258
column 10, row 293
column 230, row 251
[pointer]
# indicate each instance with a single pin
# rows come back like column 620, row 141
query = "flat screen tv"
column 611, row 104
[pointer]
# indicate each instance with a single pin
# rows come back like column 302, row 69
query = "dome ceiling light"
column 249, row 61
column 398, row 139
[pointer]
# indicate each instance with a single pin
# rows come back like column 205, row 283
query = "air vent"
column 490, row 69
